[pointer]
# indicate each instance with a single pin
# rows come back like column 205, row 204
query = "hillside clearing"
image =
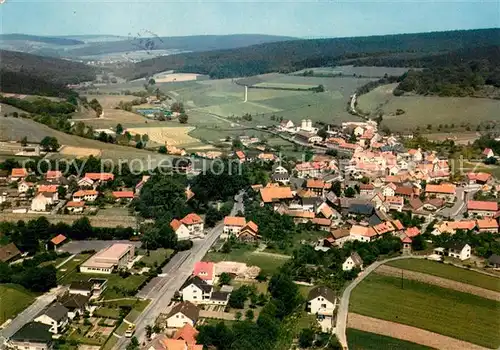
column 454, row 314
column 173, row 136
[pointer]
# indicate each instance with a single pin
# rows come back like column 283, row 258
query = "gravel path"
column 439, row 281
column 408, row 333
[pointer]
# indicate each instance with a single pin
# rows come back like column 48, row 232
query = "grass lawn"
column 360, row 340
column 450, row 272
column 451, row 313
column 122, row 328
column 13, row 299
column 118, row 287
column 157, row 256
column 268, row 264
column 112, row 340
column 71, row 265
column 107, row 312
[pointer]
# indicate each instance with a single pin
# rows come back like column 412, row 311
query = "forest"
column 294, row 55
column 22, row 83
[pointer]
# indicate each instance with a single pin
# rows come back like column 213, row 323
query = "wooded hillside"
column 289, row 56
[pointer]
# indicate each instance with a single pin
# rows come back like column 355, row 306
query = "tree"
column 133, row 345
column 162, row 150
column 249, row 315
column 337, row 188
column 350, row 192
column 177, row 107
column 237, row 316
column 49, row 143
column 183, row 118
column 145, row 138
column 119, row 129
column 15, row 115
column 418, row 243
column 306, row 337
column 61, row 192
column 137, row 138
column 224, row 279
column 152, row 81
column 322, row 132
column 149, row 331
column 24, row 141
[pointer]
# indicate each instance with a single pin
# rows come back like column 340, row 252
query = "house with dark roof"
column 352, row 261
column 56, row 316
column 76, row 304
column 363, row 209
column 9, row 252
column 81, row 287
column 494, row 261
column 33, row 335
column 459, row 250
column 181, row 314
column 321, row 301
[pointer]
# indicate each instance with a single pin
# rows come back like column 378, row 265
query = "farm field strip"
column 451, row 313
column 358, row 339
column 14, row 299
column 439, row 281
column 412, row 335
column 448, row 271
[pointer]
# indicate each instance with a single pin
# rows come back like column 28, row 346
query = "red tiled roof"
column 383, row 227
column 72, row 204
column 404, row 190
column 191, row 219
column 362, row 231
column 100, row 176
column 53, row 174
column 366, row 187
column 487, row 223
column 443, row 188
column 322, row 221
column 240, row 154
column 252, row 226
column 58, row 239
column 48, row 188
column 269, row 194
column 301, row 214
column 234, row 221
column 19, row 172
column 312, row 183
column 123, row 194
column 175, row 224
column 187, row 333
column 82, row 193
column 398, row 225
column 483, row 177
column 412, row 231
column 482, row 205
column 204, row 270
column 406, row 239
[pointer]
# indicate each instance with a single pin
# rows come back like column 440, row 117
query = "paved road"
column 344, row 300
column 29, row 313
column 58, row 206
column 463, row 194
column 175, row 274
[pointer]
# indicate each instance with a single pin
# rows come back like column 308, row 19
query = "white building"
column 85, row 195
column 32, row 336
column 197, row 291
column 460, row 251
column 40, row 202
column 233, row 225
column 322, row 302
column 55, row 316
column 352, row 261
column 116, row 256
column 182, row 314
column 180, row 230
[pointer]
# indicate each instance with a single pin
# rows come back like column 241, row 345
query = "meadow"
column 349, row 70
column 360, row 340
column 268, row 263
column 423, row 110
column 14, row 299
column 455, row 314
column 449, row 271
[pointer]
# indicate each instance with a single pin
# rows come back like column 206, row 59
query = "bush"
column 184, row 245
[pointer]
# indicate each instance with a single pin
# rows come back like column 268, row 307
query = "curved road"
column 340, row 327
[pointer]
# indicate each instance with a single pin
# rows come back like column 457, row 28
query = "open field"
column 359, row 340
column 175, row 77
column 14, row 299
column 449, row 271
column 268, row 263
column 174, row 136
column 444, row 311
column 371, row 72
column 8, row 109
column 423, row 110
column 68, row 268
column 155, row 257
column 79, row 152
column 284, row 86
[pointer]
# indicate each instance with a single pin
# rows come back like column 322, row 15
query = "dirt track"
column 408, row 333
column 438, row 281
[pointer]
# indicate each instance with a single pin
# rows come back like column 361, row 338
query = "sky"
column 304, row 19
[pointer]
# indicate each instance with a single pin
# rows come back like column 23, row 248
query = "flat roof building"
column 106, row 260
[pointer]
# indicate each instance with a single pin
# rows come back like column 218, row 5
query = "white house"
column 352, row 261
column 55, row 316
column 180, row 230
column 460, row 251
column 280, row 174
column 24, row 186
column 81, row 287
column 85, row 195
column 321, row 301
column 389, row 190
column 32, row 336
column 488, row 153
column 40, row 202
column 77, row 304
column 85, row 182
column 286, row 125
column 196, row 290
column 194, row 224
column 182, row 314
column 233, row 225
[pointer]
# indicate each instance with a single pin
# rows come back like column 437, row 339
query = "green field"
column 450, row 272
column 268, row 264
column 71, row 265
column 285, row 86
column 360, row 340
column 423, row 110
column 13, row 299
column 155, row 257
column 444, row 311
